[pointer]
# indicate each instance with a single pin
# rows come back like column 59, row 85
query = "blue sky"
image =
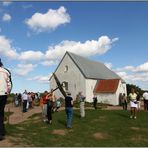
column 35, row 35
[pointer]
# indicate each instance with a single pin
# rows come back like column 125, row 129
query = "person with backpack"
column 5, row 89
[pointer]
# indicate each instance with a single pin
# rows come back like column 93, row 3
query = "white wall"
column 90, row 85
column 121, row 89
column 109, row 98
column 75, row 79
column 112, row 98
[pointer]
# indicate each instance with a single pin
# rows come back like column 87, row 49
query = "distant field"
column 99, row 128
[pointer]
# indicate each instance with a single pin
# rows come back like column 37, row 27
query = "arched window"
column 66, row 68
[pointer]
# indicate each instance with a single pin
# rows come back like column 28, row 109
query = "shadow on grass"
column 76, row 115
column 123, row 114
column 62, row 122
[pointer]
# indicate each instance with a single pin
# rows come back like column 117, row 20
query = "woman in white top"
column 133, row 103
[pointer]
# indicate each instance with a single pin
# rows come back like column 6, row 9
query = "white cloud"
column 55, row 53
column 7, row 3
column 6, row 17
column 126, row 68
column 24, row 69
column 31, row 55
column 48, row 21
column 6, row 49
column 142, row 68
column 41, row 79
column 88, row 48
column 137, row 75
column 49, row 63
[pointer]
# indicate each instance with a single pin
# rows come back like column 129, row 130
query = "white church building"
column 90, row 77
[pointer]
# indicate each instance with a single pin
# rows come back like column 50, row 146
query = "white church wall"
column 108, row 98
column 90, row 85
column 112, row 98
column 121, row 89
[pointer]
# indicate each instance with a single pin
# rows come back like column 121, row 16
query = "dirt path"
column 15, row 118
column 18, row 116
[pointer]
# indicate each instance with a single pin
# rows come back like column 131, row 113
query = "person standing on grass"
column 133, row 103
column 49, row 98
column 82, row 104
column 138, row 101
column 95, row 101
column 44, row 106
column 124, row 102
column 5, row 89
column 69, row 109
column 25, row 99
column 145, row 96
column 53, row 101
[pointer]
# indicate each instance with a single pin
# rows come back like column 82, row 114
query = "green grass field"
column 98, row 128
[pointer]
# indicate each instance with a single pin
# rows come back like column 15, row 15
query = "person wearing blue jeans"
column 69, row 109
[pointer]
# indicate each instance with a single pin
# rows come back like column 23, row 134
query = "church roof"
column 92, row 69
column 106, row 86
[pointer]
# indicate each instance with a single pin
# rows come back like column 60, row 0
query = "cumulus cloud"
column 7, row 3
column 49, row 63
column 56, row 52
column 41, row 79
column 126, row 68
column 88, row 48
column 31, row 55
column 24, row 69
column 6, row 49
column 134, row 74
column 6, row 17
column 48, row 21
column 142, row 68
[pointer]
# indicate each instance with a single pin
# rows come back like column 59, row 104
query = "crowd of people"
column 50, row 103
column 26, row 100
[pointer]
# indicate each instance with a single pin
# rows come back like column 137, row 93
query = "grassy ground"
column 99, row 128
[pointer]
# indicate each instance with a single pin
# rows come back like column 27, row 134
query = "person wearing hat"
column 5, row 89
column 69, row 109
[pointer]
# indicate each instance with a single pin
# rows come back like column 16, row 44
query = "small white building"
column 81, row 74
